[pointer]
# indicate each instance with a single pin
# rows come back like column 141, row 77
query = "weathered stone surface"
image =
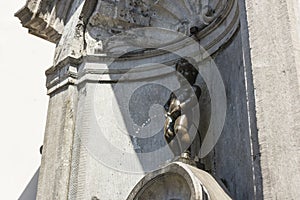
column 105, row 153
column 71, row 43
column 31, row 189
column 93, row 171
column 232, row 157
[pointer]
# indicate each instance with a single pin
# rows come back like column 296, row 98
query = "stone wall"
column 233, row 157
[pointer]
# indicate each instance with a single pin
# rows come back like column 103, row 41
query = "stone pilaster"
column 55, row 167
column 271, row 52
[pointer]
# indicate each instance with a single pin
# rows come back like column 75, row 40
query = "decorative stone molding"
column 62, row 74
column 102, row 69
column 179, row 181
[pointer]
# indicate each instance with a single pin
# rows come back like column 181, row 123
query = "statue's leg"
column 169, row 130
column 170, row 137
column 174, row 146
column 181, row 131
column 181, row 128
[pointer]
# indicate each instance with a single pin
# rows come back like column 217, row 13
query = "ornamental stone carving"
column 185, row 16
column 90, row 23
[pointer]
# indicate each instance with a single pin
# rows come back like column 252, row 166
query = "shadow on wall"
column 30, row 191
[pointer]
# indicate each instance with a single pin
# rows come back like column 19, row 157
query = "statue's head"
column 187, row 70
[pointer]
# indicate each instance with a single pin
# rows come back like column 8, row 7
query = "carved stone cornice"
column 45, row 18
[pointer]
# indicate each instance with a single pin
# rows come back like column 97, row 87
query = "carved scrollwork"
column 215, row 21
column 112, row 17
column 210, row 10
column 177, row 16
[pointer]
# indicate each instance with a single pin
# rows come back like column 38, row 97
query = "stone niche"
column 113, row 72
column 108, row 82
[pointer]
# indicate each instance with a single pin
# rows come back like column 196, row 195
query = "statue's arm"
column 167, row 104
column 167, row 127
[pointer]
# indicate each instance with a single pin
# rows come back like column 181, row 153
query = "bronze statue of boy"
column 179, row 110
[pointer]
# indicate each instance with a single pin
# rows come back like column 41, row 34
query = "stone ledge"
column 37, row 26
column 62, row 74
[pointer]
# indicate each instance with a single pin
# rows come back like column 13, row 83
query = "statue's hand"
column 169, row 129
column 177, row 108
column 176, row 112
column 169, row 134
